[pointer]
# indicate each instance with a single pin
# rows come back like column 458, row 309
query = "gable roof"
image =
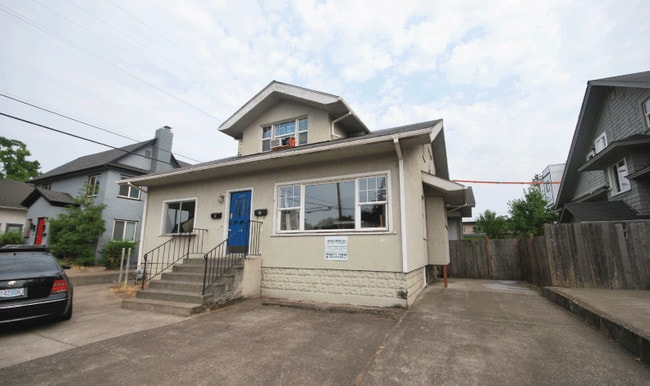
column 100, row 160
column 598, row 211
column 12, row 193
column 594, row 97
column 52, row 197
column 429, row 132
column 276, row 91
column 92, row 161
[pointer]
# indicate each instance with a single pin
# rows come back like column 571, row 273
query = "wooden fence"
column 592, row 255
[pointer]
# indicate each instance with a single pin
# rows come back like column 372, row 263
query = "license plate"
column 13, row 293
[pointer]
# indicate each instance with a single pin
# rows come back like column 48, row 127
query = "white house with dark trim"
column 336, row 212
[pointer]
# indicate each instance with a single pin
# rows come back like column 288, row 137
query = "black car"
column 33, row 285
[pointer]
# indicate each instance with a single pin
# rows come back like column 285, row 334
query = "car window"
column 29, row 263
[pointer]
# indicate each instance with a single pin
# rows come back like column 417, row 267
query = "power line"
column 82, row 122
column 80, row 137
column 508, row 182
column 96, row 56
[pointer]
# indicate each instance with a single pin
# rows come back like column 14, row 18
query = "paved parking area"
column 96, row 316
column 474, row 332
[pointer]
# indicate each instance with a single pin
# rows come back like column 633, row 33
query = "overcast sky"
column 507, row 77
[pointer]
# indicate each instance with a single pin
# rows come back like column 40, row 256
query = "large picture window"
column 179, row 216
column 346, row 204
column 276, row 133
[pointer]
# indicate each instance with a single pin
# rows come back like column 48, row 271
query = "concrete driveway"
column 474, row 332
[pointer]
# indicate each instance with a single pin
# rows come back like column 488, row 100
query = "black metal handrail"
column 179, row 247
column 223, row 258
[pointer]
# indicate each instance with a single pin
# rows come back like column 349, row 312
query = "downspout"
column 336, row 121
column 402, row 202
column 142, row 226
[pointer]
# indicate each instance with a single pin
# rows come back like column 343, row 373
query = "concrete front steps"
column 178, row 292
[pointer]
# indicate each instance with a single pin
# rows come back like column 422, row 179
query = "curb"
column 633, row 341
column 97, row 278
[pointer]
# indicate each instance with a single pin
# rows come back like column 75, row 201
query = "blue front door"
column 239, row 222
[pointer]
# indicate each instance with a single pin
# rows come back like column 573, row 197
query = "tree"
column 73, row 233
column 528, row 215
column 13, row 163
column 493, row 226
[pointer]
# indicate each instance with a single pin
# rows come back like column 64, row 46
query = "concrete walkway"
column 474, row 332
column 621, row 315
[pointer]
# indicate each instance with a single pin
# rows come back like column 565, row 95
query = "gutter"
column 402, row 203
column 274, row 155
column 336, row 121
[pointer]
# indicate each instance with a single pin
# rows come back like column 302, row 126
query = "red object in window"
column 292, row 142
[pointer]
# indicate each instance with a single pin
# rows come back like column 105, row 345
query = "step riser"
column 162, row 309
column 186, row 277
column 174, row 297
column 188, row 269
column 176, row 286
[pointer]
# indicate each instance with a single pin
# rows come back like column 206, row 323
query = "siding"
column 620, row 117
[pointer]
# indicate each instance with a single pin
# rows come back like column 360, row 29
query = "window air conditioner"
column 275, row 143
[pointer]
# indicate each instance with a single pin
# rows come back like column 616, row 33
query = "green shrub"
column 112, row 252
column 13, row 237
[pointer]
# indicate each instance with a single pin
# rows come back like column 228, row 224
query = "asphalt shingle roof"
column 12, row 193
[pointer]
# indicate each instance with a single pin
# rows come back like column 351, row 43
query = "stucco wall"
column 12, row 216
column 380, row 250
column 381, row 289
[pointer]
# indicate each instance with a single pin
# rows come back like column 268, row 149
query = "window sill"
column 341, row 233
column 129, row 198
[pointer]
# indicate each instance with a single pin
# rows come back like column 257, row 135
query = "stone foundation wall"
column 368, row 288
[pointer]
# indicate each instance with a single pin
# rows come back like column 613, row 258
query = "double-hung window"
column 179, row 216
column 93, row 185
column 359, row 203
column 618, row 177
column 279, row 133
column 124, row 230
column 128, row 191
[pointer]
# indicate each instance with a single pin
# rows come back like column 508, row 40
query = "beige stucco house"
column 341, row 214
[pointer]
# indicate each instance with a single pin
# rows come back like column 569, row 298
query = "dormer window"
column 280, row 134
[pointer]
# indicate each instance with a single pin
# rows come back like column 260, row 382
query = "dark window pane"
column 329, row 206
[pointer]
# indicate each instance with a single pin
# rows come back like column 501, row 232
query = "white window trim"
column 615, row 177
column 95, row 177
column 603, row 136
column 131, row 187
column 314, row 181
column 295, row 135
column 164, row 214
column 135, row 229
column 646, row 112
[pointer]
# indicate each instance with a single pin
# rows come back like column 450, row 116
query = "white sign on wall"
column 336, row 248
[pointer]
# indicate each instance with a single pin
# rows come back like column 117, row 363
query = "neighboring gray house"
column 607, row 173
column 101, row 171
column 12, row 213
